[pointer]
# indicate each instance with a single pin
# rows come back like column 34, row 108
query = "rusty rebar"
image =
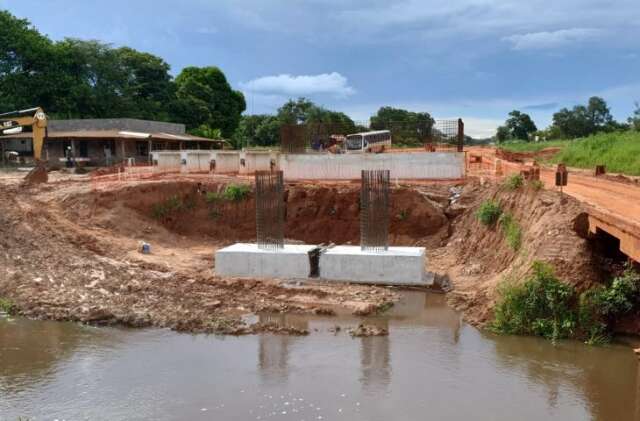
column 270, row 210
column 374, row 210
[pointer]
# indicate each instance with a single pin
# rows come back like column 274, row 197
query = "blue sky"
column 475, row 59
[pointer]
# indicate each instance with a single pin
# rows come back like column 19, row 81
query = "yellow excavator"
column 14, row 122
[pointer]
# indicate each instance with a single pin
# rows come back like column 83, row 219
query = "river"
column 431, row 366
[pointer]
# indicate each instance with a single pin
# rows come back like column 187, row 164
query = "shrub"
column 511, row 230
column 7, row 306
column 173, row 204
column 536, row 184
column 540, row 306
column 489, row 212
column 514, row 182
column 236, row 192
column 213, row 197
column 544, row 306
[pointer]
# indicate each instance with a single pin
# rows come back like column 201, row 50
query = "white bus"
column 374, row 141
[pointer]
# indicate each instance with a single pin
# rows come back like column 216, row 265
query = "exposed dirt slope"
column 478, row 258
column 68, row 253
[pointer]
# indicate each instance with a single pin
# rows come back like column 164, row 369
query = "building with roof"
column 98, row 142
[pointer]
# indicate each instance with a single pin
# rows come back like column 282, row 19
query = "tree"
column 599, row 114
column 258, row 130
column 634, row 120
column 585, row 120
column 408, row 127
column 520, row 125
column 573, row 123
column 205, row 97
column 502, row 134
column 26, row 60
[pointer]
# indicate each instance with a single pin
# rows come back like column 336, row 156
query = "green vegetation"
column 536, row 184
column 514, row 182
column 489, row 212
column 236, row 192
column 618, row 151
column 172, row 205
column 518, row 126
column 75, row 78
column 213, row 197
column 7, row 306
column 511, row 230
column 544, row 306
column 521, row 146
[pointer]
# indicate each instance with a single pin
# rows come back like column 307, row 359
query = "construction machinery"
column 14, row 122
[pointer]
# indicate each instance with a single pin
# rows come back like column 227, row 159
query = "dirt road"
column 618, row 199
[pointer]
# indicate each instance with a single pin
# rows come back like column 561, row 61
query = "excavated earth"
column 69, row 250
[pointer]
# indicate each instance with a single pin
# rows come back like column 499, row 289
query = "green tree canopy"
column 407, row 127
column 520, row 125
column 584, row 120
column 89, row 79
column 205, row 97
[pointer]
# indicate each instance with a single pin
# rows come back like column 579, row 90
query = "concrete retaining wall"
column 227, row 162
column 257, row 161
column 197, row 161
column 412, row 165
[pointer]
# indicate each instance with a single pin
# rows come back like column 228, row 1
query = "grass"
column 522, row 146
column 544, row 306
column 511, row 231
column 489, row 212
column 536, row 185
column 7, row 306
column 618, row 151
column 236, row 192
column 514, row 182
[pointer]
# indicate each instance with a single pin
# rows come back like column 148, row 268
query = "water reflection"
column 429, row 360
column 571, row 370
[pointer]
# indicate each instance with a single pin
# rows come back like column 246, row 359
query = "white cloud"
column 326, row 83
column 553, row 39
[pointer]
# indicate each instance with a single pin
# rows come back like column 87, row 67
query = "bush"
column 540, row 306
column 536, row 184
column 514, row 182
column 236, row 192
column 7, row 306
column 489, row 212
column 545, row 306
column 213, row 197
column 511, row 230
column 173, row 204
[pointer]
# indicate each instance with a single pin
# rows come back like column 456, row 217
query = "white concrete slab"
column 395, row 266
column 247, row 260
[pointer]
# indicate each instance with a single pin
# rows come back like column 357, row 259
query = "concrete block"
column 247, row 260
column 395, row 266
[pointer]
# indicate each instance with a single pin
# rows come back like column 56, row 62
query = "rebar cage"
column 270, row 210
column 374, row 210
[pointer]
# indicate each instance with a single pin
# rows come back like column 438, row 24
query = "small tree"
column 520, row 125
column 634, row 120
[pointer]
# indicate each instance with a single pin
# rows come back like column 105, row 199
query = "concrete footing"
column 395, row 266
column 247, row 260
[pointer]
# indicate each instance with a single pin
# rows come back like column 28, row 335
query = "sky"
column 473, row 59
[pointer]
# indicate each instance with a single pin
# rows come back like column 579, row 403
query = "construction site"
column 296, row 241
column 196, row 239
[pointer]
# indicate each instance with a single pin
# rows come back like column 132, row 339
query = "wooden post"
column 122, row 149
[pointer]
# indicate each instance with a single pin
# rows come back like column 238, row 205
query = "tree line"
column 76, row 78
column 580, row 121
column 88, row 79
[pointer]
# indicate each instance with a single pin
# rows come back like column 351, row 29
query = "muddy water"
column 431, row 366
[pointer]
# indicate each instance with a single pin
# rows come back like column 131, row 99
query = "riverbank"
column 70, row 250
